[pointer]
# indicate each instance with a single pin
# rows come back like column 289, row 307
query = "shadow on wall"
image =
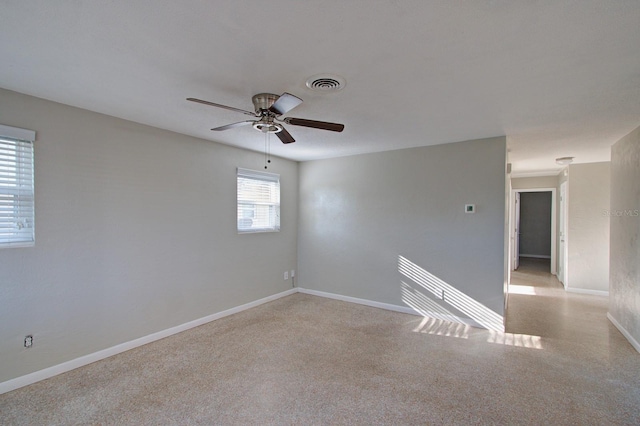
column 419, row 296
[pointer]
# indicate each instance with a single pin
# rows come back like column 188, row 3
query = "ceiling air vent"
column 325, row 83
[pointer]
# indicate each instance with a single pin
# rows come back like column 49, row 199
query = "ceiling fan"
column 268, row 109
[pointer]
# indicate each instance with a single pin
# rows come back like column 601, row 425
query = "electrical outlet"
column 286, row 275
column 28, row 341
column 293, row 273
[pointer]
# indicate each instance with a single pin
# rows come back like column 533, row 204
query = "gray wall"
column 535, row 224
column 588, row 226
column 624, row 293
column 362, row 215
column 135, row 233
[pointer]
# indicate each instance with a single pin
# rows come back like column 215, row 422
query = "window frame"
column 23, row 191
column 248, row 204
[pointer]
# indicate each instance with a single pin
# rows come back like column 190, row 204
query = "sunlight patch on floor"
column 439, row 327
column 522, row 289
column 519, row 340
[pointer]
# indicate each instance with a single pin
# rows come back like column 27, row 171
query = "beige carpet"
column 309, row 360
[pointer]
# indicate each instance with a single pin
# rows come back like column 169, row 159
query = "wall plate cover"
column 469, row 208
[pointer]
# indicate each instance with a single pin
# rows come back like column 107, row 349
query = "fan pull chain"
column 266, row 138
column 267, row 149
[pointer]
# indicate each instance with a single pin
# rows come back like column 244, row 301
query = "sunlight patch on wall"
column 423, row 305
column 447, row 294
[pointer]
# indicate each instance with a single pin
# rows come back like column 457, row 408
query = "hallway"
column 539, row 305
column 587, row 351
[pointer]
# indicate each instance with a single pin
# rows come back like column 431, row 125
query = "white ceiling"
column 558, row 77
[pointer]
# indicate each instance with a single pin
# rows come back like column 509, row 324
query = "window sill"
column 257, row 231
column 17, row 245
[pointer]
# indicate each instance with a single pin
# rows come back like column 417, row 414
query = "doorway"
column 534, row 228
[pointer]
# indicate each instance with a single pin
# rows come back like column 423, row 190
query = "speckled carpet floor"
column 307, row 360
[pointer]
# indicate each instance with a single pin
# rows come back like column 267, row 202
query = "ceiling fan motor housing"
column 263, row 101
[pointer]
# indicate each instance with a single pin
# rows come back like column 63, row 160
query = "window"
column 16, row 187
column 258, row 201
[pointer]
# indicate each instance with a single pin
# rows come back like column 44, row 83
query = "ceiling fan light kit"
column 564, row 161
column 265, row 126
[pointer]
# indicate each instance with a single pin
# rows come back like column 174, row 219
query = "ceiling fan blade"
column 231, row 126
column 285, row 136
column 285, row 103
column 334, row 127
column 200, row 101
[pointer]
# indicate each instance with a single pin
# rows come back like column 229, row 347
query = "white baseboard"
column 46, row 373
column 564, row 284
column 535, row 256
column 391, row 307
column 366, row 302
column 586, row 291
column 624, row 332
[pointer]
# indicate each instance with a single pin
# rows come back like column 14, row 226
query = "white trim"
column 563, row 218
column 624, row 332
column 17, row 133
column 366, row 302
column 20, row 244
column 587, row 291
column 46, row 373
column 391, row 307
column 257, row 174
column 258, row 231
column 516, row 174
column 536, row 256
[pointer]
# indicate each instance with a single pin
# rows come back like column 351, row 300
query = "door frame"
column 515, row 249
column 564, row 210
column 512, row 230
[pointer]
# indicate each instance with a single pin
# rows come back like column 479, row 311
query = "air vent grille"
column 325, row 83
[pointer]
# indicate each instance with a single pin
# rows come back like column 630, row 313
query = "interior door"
column 562, row 224
column 516, row 231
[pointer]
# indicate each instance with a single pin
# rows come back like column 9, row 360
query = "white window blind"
column 258, row 201
column 17, row 210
